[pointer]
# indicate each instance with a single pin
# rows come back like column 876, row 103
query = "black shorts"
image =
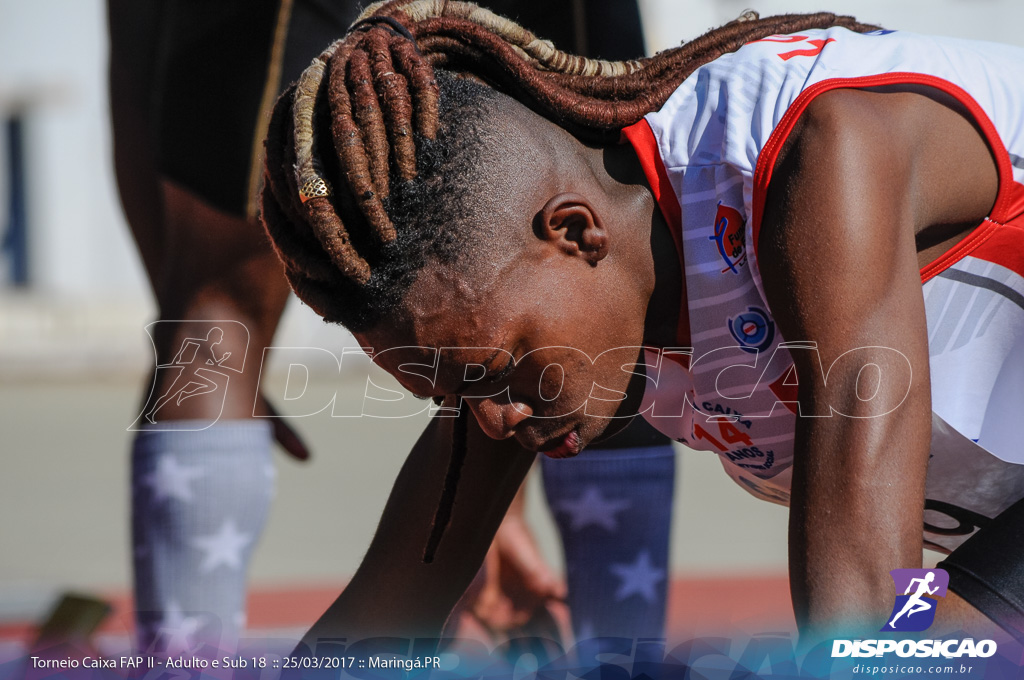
column 988, row 570
column 213, row 70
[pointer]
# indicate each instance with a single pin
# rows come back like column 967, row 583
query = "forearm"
column 840, row 561
column 857, row 513
column 395, row 592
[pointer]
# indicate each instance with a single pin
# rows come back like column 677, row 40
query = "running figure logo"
column 200, row 367
column 914, row 610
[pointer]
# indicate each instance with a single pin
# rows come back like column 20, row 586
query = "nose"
column 498, row 420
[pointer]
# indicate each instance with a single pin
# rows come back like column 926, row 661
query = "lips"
column 566, row 447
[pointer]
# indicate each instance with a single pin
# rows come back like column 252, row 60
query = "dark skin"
column 594, row 268
column 201, row 262
column 851, row 524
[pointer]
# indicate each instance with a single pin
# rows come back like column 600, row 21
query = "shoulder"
column 895, row 145
column 838, row 128
column 845, row 155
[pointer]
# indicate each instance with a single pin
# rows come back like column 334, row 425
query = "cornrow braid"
column 368, row 162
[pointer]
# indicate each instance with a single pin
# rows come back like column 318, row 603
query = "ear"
column 570, row 222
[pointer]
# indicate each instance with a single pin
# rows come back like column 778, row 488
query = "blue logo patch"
column 914, row 610
column 753, row 330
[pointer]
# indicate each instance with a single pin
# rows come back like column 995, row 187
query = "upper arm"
column 837, row 251
column 861, row 176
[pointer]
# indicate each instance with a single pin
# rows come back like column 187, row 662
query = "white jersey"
column 708, row 155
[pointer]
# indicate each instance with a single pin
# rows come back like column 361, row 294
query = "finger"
column 495, row 612
column 285, row 435
column 522, row 552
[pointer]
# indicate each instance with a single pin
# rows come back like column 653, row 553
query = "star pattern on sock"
column 180, row 630
column 223, row 548
column 638, row 578
column 593, row 509
column 172, row 480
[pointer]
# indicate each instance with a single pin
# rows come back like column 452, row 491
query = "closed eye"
column 502, row 374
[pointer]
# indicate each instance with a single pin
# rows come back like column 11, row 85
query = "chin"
column 581, row 436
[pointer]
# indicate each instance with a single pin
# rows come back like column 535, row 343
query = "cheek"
column 559, row 387
column 599, row 327
column 552, row 382
column 591, row 321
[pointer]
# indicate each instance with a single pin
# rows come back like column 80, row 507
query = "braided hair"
column 372, row 154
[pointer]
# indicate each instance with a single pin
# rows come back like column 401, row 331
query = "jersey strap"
column 641, row 137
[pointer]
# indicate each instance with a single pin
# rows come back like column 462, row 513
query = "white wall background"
column 53, row 66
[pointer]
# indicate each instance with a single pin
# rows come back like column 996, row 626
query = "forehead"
column 457, row 306
column 445, row 307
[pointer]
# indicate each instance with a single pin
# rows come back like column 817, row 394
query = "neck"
column 654, row 252
column 662, row 327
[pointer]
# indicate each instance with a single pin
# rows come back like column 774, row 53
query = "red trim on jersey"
column 1015, row 202
column 641, row 137
column 1009, row 201
column 1004, row 247
column 785, row 391
column 975, row 239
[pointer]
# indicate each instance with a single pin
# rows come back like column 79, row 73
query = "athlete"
column 793, row 216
